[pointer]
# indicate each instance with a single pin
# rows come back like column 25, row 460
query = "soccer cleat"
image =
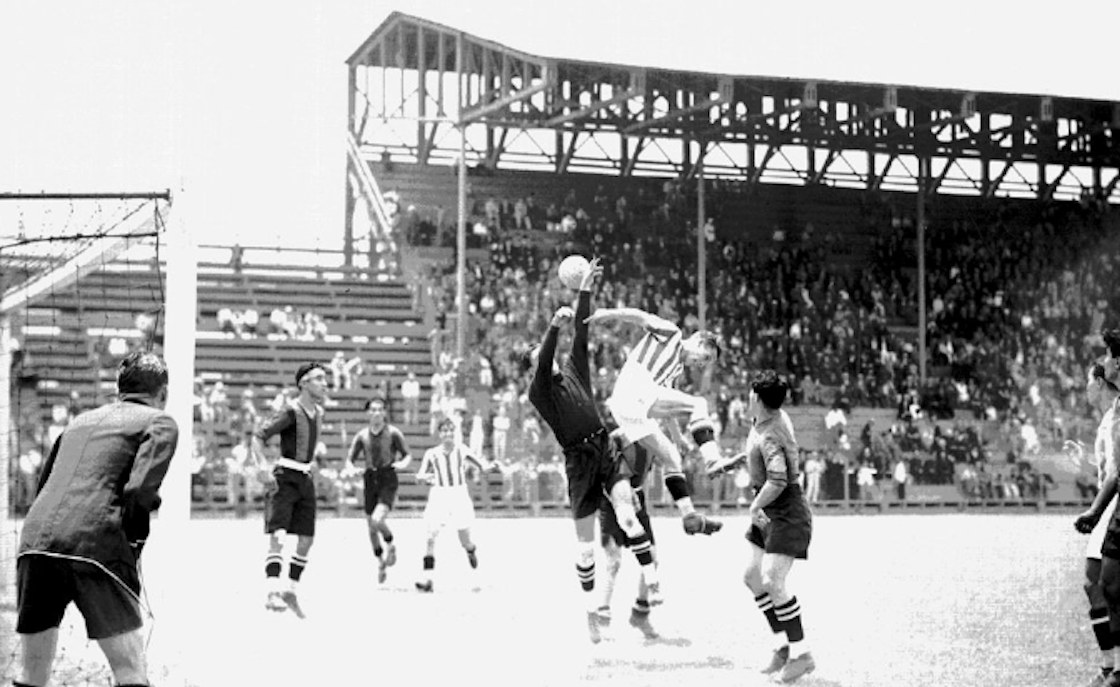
column 425, row 586
column 777, row 661
column 275, row 602
column 390, row 555
column 472, row 557
column 289, row 598
column 382, row 573
column 641, row 622
column 593, row 627
column 796, row 667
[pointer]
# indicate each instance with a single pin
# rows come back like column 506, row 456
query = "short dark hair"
column 1097, row 371
column 527, row 358
column 141, row 373
column 1112, row 340
column 378, row 398
column 306, row 368
column 712, row 339
column 445, row 422
column 771, row 388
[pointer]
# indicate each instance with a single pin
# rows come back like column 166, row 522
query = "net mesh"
column 82, row 284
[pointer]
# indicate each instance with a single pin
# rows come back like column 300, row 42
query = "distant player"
column 449, row 500
column 781, row 524
column 644, row 393
column 290, row 498
column 634, row 464
column 1102, row 393
column 383, row 450
column 563, row 398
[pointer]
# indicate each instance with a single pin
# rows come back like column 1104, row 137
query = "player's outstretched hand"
column 725, row 464
column 592, row 274
column 696, row 523
column 1086, row 522
column 563, row 314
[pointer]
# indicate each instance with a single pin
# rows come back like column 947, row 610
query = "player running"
column 382, row 447
column 449, row 500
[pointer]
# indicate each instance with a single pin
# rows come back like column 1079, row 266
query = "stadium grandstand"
column 931, row 268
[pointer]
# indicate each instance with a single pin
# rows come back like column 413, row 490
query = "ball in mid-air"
column 572, row 270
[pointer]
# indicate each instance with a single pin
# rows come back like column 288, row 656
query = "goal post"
column 84, row 278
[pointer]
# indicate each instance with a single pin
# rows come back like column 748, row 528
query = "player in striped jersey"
column 383, row 449
column 1102, row 393
column 290, row 499
column 645, row 393
column 449, row 500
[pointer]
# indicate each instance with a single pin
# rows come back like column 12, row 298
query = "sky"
column 242, row 105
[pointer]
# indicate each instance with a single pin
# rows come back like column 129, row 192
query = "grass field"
column 929, row 599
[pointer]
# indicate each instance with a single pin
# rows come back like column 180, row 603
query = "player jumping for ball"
column 562, row 395
column 644, row 393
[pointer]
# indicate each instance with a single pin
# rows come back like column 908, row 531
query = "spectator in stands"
column 814, row 471
column 410, row 395
column 340, row 375
column 901, row 476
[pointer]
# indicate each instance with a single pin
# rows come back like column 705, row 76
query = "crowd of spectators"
column 282, row 322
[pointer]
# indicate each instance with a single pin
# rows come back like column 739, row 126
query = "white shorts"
column 448, row 507
column 1096, row 537
column 634, row 394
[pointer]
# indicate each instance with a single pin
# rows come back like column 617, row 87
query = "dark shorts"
column 790, row 528
column 290, row 506
column 608, row 522
column 46, row 585
column 592, row 469
column 380, row 486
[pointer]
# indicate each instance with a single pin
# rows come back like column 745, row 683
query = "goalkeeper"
column 82, row 538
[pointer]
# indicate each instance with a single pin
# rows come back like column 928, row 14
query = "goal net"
column 82, row 283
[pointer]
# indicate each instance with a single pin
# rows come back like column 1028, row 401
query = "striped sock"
column 789, row 615
column 295, row 568
column 273, row 563
column 586, row 574
column 643, row 551
column 766, row 605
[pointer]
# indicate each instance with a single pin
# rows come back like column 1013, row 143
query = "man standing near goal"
column 82, row 538
column 781, row 523
column 449, row 500
column 382, row 447
column 290, row 490
column 562, row 396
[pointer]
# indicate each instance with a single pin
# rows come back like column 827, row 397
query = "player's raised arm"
column 653, row 323
column 583, row 309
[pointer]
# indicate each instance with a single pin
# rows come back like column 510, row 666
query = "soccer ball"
column 572, row 270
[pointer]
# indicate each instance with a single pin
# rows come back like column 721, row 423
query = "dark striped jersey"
column 378, row 450
column 298, row 429
column 772, row 451
column 448, row 467
column 660, row 354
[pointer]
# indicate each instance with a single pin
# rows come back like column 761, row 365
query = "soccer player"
column 1103, row 579
column 82, row 538
column 781, row 523
column 382, row 447
column 644, row 393
column 634, row 464
column 562, row 396
column 290, row 489
column 449, row 500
